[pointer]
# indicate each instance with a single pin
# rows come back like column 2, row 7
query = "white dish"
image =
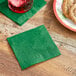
column 57, row 7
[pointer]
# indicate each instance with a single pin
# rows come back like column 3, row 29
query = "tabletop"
column 64, row 65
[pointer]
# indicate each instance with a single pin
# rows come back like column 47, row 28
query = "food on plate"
column 69, row 9
column 72, row 13
column 66, row 6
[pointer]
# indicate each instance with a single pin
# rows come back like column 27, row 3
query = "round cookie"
column 72, row 13
column 66, row 6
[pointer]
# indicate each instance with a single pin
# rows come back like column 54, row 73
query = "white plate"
column 57, row 7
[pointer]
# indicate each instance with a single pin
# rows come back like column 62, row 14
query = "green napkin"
column 33, row 46
column 1, row 1
column 21, row 18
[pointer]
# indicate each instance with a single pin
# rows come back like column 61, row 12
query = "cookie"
column 72, row 13
column 74, row 1
column 66, row 6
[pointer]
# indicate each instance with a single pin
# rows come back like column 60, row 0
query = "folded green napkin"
column 21, row 18
column 33, row 46
column 1, row 1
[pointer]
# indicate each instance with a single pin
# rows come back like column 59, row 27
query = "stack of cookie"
column 69, row 9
